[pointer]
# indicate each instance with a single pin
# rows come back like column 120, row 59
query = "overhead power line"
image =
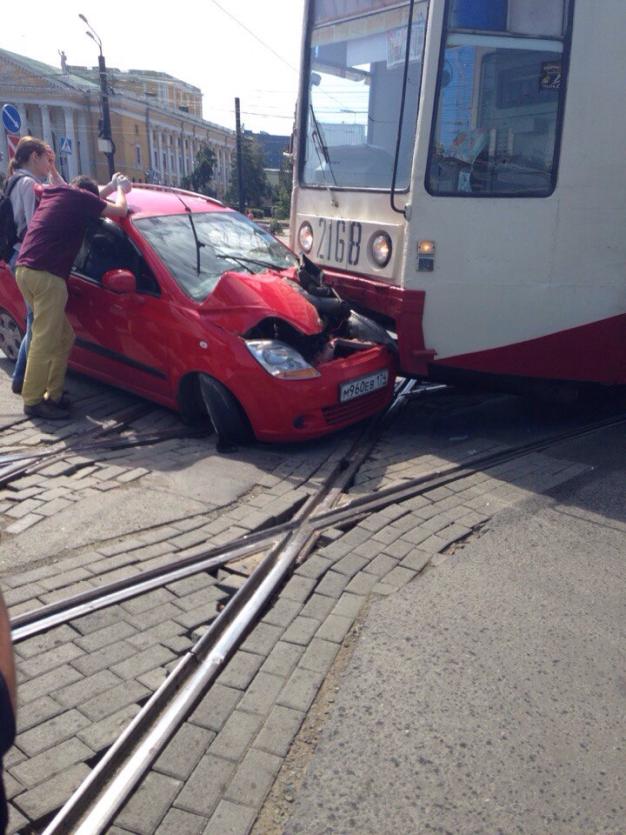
column 254, row 35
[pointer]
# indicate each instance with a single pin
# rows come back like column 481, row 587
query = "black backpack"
column 8, row 229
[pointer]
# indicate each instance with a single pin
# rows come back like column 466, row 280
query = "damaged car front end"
column 323, row 365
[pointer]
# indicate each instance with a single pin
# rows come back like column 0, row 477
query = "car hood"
column 245, row 300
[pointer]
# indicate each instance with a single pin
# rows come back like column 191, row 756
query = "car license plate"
column 363, row 385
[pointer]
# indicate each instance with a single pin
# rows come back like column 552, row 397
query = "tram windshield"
column 500, row 92
column 356, row 66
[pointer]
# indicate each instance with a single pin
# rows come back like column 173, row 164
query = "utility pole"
column 105, row 140
column 242, row 200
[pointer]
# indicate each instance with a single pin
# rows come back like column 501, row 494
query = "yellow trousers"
column 52, row 335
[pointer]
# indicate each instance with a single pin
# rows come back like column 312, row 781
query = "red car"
column 192, row 305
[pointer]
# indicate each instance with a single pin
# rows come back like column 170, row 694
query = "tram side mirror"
column 316, row 79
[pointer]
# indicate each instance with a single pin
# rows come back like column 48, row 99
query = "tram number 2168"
column 339, row 241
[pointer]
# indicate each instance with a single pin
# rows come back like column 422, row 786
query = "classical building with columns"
column 156, row 121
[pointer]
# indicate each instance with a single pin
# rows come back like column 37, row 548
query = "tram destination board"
column 363, row 385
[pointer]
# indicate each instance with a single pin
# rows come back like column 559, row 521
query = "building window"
column 138, row 156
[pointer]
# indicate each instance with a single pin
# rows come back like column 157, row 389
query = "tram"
column 460, row 175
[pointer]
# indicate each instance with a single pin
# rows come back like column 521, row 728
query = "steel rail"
column 94, row 804
column 40, row 620
column 38, row 459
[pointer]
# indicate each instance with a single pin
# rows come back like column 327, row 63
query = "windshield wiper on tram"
column 321, row 149
column 245, row 260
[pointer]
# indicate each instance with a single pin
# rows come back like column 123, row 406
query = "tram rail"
column 40, row 620
column 93, row 806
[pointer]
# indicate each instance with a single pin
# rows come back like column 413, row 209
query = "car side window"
column 106, row 247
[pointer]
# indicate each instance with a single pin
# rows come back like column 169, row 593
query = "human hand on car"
column 121, row 181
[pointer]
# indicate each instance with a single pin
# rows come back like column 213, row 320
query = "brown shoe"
column 46, row 410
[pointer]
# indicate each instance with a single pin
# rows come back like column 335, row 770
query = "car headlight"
column 380, row 249
column 305, row 236
column 281, row 360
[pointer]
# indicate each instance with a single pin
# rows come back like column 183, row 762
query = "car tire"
column 228, row 418
column 10, row 335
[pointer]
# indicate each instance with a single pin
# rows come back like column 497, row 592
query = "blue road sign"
column 65, row 145
column 11, row 118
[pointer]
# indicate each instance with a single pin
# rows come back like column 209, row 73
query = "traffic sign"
column 12, row 140
column 65, row 145
column 11, row 118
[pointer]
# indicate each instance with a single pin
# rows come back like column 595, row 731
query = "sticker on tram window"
column 339, row 241
column 550, row 76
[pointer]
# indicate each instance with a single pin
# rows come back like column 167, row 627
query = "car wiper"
column 197, row 240
column 242, row 259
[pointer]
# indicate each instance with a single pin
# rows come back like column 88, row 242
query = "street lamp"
column 105, row 140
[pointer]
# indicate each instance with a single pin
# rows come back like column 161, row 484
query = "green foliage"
column 202, row 175
column 285, row 185
column 255, row 186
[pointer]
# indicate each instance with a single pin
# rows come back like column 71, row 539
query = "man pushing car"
column 47, row 254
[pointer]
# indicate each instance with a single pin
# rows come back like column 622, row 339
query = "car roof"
column 148, row 199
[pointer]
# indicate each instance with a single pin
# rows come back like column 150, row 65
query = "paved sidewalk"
column 488, row 694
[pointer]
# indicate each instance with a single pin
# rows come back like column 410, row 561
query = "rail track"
column 276, row 550
column 95, row 803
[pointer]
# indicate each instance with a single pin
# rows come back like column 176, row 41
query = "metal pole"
column 242, row 199
column 106, row 116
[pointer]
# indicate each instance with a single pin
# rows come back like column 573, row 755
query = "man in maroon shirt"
column 46, row 257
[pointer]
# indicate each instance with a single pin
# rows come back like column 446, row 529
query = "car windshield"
column 198, row 248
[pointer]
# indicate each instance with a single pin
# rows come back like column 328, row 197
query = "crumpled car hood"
column 242, row 301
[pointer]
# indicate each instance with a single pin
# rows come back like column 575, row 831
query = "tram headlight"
column 380, row 249
column 305, row 236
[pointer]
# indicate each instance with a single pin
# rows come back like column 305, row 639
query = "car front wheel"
column 228, row 418
column 10, row 335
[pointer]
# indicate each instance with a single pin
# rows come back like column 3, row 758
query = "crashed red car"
column 193, row 306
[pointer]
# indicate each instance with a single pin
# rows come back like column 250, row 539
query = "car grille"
column 356, row 409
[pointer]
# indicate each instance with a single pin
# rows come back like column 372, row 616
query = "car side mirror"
column 119, row 281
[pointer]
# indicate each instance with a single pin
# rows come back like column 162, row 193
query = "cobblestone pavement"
column 89, row 520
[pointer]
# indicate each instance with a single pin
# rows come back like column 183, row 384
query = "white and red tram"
column 461, row 172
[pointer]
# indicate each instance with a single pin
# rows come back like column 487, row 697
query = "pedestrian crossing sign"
column 65, row 146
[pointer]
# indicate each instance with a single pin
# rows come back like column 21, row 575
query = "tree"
column 255, row 185
column 202, row 175
column 285, row 184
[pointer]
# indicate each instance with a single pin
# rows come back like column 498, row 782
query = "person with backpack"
column 32, row 167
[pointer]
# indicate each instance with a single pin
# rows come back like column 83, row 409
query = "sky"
column 227, row 48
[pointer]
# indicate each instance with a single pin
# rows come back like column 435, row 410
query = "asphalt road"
column 488, row 695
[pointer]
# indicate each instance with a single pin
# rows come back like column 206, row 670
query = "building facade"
column 156, row 121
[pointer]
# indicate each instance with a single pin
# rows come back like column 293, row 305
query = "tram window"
column 499, row 99
column 352, row 114
column 522, row 17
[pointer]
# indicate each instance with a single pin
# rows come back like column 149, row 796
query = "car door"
column 120, row 337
